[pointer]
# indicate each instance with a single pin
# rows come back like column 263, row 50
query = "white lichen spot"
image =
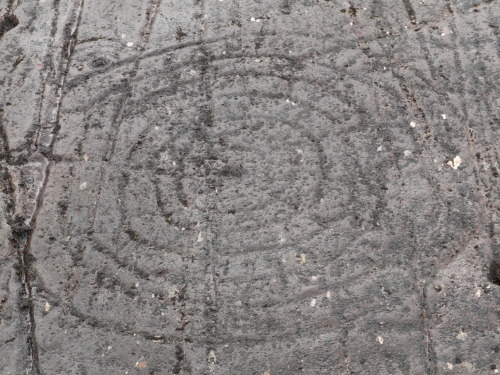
column 380, row 340
column 413, row 124
column 443, row 115
column 457, row 160
column 328, row 294
column 130, row 44
column 449, row 365
column 83, row 186
column 407, row 152
column 47, row 307
column 313, row 302
column 462, row 335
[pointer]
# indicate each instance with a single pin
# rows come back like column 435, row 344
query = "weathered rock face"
column 249, row 187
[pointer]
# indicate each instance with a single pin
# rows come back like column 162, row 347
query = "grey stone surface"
column 249, row 187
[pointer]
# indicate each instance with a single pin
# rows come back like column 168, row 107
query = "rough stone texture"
column 249, row 187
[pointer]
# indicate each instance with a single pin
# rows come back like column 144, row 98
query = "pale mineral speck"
column 124, row 36
column 130, row 44
column 380, row 340
column 450, row 366
column 413, row 124
column 252, row 19
column 313, row 302
column 444, row 116
column 86, row 157
column 407, row 152
column 110, row 347
column 380, row 148
column 478, row 293
column 83, row 186
column 314, row 278
column 47, row 307
column 328, row 294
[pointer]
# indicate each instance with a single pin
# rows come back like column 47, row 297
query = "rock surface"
column 249, row 187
